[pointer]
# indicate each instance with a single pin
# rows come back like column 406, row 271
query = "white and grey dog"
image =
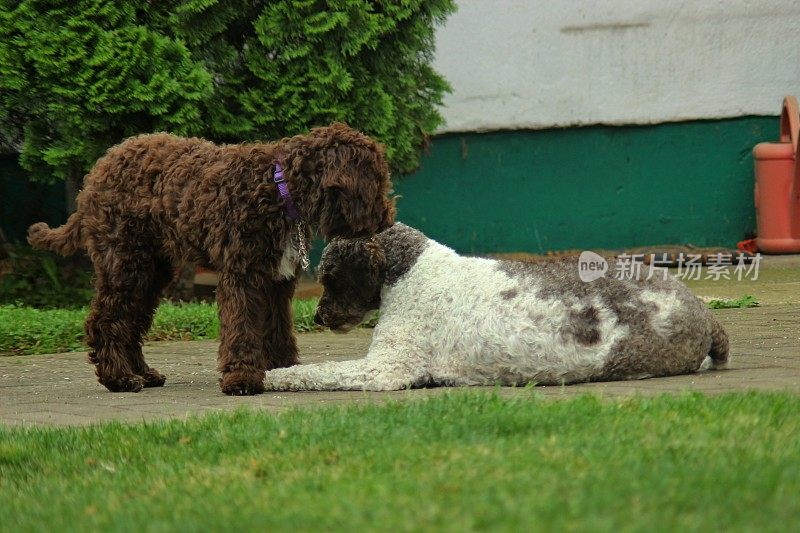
column 452, row 320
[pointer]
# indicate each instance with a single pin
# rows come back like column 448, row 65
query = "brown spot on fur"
column 155, row 201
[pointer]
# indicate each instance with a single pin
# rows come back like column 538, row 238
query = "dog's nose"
column 318, row 319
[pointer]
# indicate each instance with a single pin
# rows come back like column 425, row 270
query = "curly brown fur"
column 155, row 201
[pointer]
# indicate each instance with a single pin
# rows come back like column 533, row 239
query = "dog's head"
column 352, row 272
column 353, row 182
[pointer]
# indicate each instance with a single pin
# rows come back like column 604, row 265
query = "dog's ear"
column 355, row 181
column 341, row 165
column 388, row 213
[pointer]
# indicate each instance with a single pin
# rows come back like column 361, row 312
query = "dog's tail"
column 64, row 240
column 719, row 354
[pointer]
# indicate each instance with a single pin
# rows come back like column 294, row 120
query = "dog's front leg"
column 242, row 304
column 374, row 373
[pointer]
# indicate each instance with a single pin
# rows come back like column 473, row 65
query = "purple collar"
column 283, row 190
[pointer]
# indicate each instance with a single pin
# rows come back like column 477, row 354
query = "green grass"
column 459, row 461
column 738, row 303
column 25, row 330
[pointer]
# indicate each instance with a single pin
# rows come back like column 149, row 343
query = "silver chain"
column 302, row 249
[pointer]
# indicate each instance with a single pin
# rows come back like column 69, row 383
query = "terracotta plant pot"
column 777, row 190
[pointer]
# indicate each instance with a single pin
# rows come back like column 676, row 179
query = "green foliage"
column 24, row 330
column 43, row 280
column 367, row 63
column 77, row 77
column 739, row 303
column 461, row 461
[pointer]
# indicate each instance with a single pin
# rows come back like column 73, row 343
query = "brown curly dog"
column 156, row 201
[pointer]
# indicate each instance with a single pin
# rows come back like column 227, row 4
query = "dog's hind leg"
column 280, row 345
column 126, row 285
column 242, row 299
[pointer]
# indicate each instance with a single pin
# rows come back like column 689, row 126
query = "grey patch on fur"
column 402, row 246
column 509, row 294
column 635, row 353
column 583, row 326
column 559, row 280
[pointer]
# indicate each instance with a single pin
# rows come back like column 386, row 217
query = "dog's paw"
column 242, row 383
column 287, row 379
column 128, row 383
column 154, row 378
column 274, row 381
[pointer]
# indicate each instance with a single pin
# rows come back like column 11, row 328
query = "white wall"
column 538, row 63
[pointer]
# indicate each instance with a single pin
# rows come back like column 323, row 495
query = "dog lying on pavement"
column 452, row 320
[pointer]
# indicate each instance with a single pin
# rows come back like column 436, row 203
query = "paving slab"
column 61, row 389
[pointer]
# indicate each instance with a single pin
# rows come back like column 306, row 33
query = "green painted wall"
column 533, row 191
column 592, row 187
